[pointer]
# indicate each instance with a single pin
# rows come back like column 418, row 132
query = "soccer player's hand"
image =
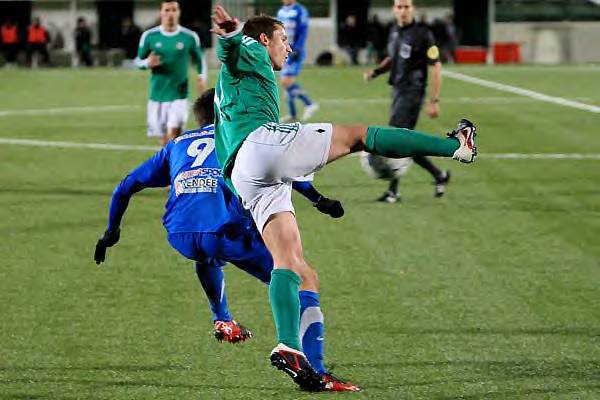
column 153, row 60
column 433, row 109
column 201, row 86
column 224, row 23
column 109, row 239
column 368, row 75
column 331, row 207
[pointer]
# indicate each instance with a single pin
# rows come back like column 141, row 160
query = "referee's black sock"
column 394, row 185
column 426, row 163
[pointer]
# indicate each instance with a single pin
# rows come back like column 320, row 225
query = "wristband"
column 378, row 71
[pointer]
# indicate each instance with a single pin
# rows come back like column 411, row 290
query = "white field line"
column 109, row 146
column 523, row 92
column 476, row 100
column 75, row 145
column 67, row 110
column 542, row 156
column 383, row 100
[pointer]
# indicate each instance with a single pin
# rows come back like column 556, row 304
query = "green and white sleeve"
column 141, row 61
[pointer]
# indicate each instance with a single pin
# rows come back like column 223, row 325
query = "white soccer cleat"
column 309, row 111
column 465, row 133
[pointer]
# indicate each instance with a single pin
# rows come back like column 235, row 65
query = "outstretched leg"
column 401, row 142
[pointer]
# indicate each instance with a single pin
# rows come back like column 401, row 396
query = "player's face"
column 287, row 2
column 278, row 48
column 169, row 13
column 404, row 11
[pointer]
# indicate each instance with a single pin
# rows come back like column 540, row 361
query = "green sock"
column 285, row 303
column 401, row 142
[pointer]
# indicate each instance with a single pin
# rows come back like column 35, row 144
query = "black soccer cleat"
column 295, row 364
column 389, row 197
column 440, row 185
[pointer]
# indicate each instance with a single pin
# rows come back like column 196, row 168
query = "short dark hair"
column 261, row 24
column 204, row 110
column 168, row 1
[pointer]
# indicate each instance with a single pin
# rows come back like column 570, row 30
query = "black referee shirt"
column 411, row 48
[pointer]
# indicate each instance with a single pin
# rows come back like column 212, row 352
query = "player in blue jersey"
column 295, row 18
column 206, row 223
column 204, row 220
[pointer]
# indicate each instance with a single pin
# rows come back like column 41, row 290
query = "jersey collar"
column 175, row 32
column 409, row 25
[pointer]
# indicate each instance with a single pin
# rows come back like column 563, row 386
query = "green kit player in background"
column 260, row 157
column 166, row 50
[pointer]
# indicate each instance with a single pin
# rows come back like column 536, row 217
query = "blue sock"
column 306, row 189
column 297, row 91
column 291, row 102
column 212, row 281
column 312, row 330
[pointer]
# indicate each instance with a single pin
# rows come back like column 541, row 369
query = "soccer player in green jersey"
column 166, row 50
column 260, row 157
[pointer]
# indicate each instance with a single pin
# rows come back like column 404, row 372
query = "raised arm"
column 230, row 38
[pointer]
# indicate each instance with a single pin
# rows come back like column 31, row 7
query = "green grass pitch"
column 489, row 293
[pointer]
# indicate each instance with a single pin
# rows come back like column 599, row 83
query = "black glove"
column 109, row 239
column 294, row 55
column 333, row 208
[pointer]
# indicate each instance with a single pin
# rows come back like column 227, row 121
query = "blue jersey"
column 295, row 19
column 199, row 200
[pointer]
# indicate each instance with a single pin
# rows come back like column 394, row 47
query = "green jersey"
column 169, row 81
column 246, row 95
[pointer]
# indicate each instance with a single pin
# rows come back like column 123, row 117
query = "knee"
column 359, row 138
column 309, row 276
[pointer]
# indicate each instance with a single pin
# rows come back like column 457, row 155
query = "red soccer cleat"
column 231, row 331
column 334, row 384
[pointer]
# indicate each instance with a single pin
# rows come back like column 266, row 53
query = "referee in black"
column 412, row 56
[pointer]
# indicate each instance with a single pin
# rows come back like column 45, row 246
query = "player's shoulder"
column 204, row 131
column 280, row 13
column 423, row 28
column 189, row 33
column 250, row 42
column 149, row 33
column 301, row 8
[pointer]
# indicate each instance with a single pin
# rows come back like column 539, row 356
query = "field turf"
column 489, row 293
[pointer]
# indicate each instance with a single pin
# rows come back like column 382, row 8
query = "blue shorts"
column 292, row 68
column 245, row 250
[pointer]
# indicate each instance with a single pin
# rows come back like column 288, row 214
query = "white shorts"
column 272, row 157
column 165, row 115
column 307, row 178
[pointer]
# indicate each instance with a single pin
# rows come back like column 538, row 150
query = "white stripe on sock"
column 311, row 315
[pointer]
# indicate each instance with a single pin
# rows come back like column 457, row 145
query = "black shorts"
column 406, row 106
